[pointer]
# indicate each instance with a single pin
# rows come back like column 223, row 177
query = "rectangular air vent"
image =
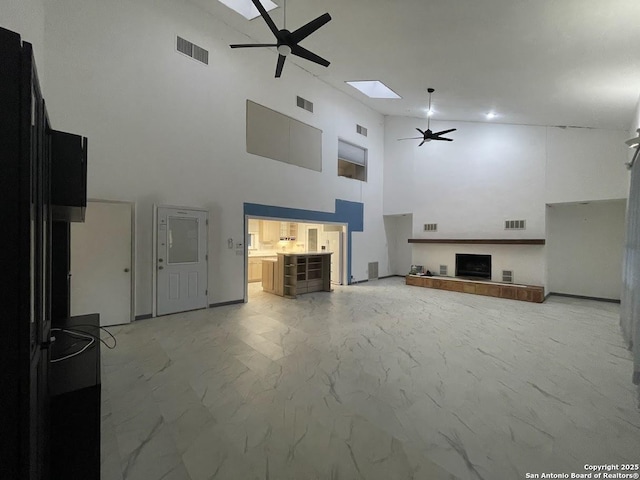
column 515, row 224
column 430, row 227
column 443, row 270
column 304, row 103
column 507, row 276
column 361, row 130
column 373, row 270
column 192, row 50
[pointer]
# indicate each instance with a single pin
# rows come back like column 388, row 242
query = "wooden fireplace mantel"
column 480, row 241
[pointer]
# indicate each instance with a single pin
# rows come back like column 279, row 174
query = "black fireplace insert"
column 470, row 265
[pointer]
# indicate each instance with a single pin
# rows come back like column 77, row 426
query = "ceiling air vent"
column 507, row 276
column 443, row 270
column 361, row 130
column 515, row 224
column 304, row 103
column 430, row 227
column 192, row 50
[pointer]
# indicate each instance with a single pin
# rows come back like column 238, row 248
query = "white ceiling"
column 541, row 62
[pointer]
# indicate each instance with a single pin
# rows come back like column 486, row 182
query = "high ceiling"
column 540, row 62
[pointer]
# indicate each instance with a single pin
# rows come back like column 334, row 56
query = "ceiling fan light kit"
column 287, row 42
column 633, row 143
column 428, row 135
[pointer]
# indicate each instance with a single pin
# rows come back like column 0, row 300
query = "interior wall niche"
column 279, row 137
column 585, row 243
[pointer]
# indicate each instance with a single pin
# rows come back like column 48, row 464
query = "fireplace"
column 476, row 266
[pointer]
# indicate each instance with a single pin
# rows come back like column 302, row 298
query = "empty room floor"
column 373, row 381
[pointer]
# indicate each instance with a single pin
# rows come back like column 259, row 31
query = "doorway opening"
column 266, row 237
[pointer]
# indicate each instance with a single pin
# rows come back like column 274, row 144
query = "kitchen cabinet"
column 253, row 225
column 255, row 270
column 269, row 231
column 269, row 275
column 288, row 230
column 297, row 273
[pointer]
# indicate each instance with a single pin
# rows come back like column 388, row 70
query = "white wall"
column 26, row 17
column 584, row 248
column 525, row 261
column 399, row 230
column 586, row 164
column 469, row 187
column 491, row 173
column 164, row 129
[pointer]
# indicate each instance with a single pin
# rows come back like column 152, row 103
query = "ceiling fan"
column 428, row 135
column 287, row 42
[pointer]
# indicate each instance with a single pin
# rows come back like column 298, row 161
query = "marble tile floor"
column 373, row 381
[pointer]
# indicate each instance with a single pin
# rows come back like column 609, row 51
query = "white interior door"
column 181, row 260
column 334, row 239
column 101, row 263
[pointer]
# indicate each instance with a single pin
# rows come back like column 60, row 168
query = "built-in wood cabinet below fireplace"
column 526, row 293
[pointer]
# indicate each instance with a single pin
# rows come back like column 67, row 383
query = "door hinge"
column 206, row 257
column 206, row 222
column 206, row 292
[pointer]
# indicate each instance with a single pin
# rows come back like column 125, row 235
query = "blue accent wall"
column 351, row 213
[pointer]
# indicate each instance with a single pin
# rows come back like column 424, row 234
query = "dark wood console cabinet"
column 69, row 176
column 75, row 403
column 27, row 176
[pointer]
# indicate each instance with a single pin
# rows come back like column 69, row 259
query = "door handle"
column 160, row 267
column 126, row 270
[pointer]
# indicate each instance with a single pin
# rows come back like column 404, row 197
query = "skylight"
column 247, row 9
column 374, row 89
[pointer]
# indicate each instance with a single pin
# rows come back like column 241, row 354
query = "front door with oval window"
column 181, row 260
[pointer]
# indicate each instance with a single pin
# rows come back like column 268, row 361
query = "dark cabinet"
column 29, row 180
column 69, row 176
column 60, row 272
column 75, row 402
column 24, row 256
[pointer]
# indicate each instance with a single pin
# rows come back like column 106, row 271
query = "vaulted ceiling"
column 540, row 62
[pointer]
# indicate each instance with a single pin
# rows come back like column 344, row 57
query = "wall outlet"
column 229, row 242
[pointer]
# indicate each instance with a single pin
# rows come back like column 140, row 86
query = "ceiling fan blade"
column 421, row 132
column 254, row 45
column 445, row 131
column 306, row 30
column 267, row 18
column 412, row 138
column 441, row 138
column 302, row 52
column 280, row 66
column 421, row 143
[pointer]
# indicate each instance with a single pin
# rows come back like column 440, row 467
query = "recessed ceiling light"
column 491, row 115
column 374, row 89
column 246, row 8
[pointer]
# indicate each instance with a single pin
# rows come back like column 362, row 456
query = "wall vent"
column 304, row 103
column 507, row 276
column 192, row 50
column 373, row 270
column 443, row 270
column 430, row 227
column 515, row 224
column 361, row 130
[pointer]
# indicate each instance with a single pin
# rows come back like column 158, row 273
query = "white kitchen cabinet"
column 255, row 270
column 254, row 225
column 269, row 231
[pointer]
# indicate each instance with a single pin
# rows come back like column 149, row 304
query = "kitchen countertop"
column 324, row 252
